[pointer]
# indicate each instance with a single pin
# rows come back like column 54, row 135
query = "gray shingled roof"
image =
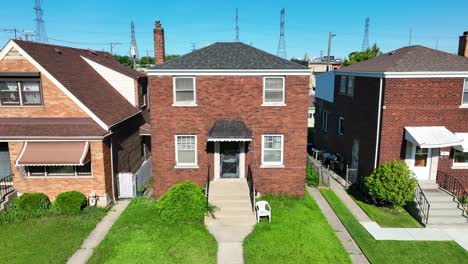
column 229, row 55
column 411, row 59
column 229, row 129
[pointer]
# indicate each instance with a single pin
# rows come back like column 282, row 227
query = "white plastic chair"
column 263, row 208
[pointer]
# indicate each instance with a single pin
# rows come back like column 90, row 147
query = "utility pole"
column 12, row 30
column 41, row 35
column 410, row 36
column 237, row 25
column 112, row 45
column 365, row 40
column 330, row 36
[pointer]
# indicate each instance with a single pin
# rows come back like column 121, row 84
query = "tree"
column 125, row 60
column 393, row 183
column 146, row 60
column 358, row 56
column 171, row 57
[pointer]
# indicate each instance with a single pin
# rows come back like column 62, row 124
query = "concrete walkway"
column 345, row 238
column 234, row 218
column 457, row 234
column 82, row 255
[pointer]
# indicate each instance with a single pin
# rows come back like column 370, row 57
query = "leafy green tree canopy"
column 358, row 56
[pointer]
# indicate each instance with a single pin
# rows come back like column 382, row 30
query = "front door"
column 229, row 159
column 422, row 163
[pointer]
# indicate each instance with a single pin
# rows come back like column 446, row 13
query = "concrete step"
column 220, row 197
column 445, row 212
column 439, row 198
column 434, row 219
column 448, row 225
column 428, row 185
column 234, row 213
column 243, row 220
column 443, row 204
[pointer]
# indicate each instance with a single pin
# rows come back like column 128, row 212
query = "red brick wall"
column 421, row 102
column 230, row 97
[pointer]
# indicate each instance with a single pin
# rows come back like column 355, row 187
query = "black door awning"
column 229, row 130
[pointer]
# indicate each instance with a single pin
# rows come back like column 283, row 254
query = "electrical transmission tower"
column 237, row 25
column 282, row 44
column 365, row 40
column 41, row 35
column 133, row 45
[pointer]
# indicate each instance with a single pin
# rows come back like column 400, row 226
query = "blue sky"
column 93, row 24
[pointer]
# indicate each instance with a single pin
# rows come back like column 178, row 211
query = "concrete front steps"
column 233, row 219
column 444, row 209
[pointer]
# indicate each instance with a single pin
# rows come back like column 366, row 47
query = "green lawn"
column 384, row 216
column 140, row 236
column 49, row 239
column 298, row 233
column 381, row 251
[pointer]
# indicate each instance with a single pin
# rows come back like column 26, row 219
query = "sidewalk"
column 82, row 255
column 345, row 238
column 459, row 235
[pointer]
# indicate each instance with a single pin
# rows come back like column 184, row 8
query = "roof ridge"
column 190, row 53
column 286, row 60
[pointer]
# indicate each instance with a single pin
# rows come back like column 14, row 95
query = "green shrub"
column 32, row 202
column 70, row 202
column 393, row 183
column 183, row 202
column 312, row 176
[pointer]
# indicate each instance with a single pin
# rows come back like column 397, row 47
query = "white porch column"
column 216, row 161
column 242, row 160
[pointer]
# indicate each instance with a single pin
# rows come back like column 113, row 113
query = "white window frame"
column 458, row 165
column 465, row 88
column 19, row 85
column 174, row 102
column 272, row 164
column 186, row 165
column 350, row 78
column 325, row 126
column 283, row 103
column 340, row 123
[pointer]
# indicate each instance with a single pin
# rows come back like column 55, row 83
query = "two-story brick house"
column 409, row 104
column 69, row 119
column 225, row 108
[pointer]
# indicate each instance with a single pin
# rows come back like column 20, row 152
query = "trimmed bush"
column 393, row 183
column 184, row 202
column 312, row 176
column 70, row 202
column 32, row 202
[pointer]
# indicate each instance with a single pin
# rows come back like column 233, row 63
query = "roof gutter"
column 400, row 75
column 158, row 72
column 123, row 120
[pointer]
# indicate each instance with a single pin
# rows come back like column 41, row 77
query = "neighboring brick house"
column 69, row 119
column 225, row 108
column 409, row 104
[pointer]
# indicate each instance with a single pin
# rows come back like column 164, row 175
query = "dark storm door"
column 229, row 158
column 5, row 169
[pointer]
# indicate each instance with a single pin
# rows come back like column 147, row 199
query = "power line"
column 237, row 25
column 282, row 43
column 41, row 35
column 365, row 40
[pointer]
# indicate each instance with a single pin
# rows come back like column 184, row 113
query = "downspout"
column 379, row 113
column 112, row 166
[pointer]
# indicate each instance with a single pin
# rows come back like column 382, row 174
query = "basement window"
column 184, row 91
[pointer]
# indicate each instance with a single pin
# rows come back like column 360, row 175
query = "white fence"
column 131, row 184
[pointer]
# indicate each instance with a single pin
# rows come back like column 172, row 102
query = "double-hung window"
column 325, row 121
column 186, row 150
column 272, row 150
column 273, row 91
column 184, row 91
column 20, row 93
column 460, row 159
column 340, row 125
column 465, row 93
column 350, row 86
column 342, row 89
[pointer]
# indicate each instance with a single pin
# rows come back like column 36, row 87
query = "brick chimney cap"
column 158, row 22
column 465, row 33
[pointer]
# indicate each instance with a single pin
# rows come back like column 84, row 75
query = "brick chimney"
column 463, row 45
column 159, row 50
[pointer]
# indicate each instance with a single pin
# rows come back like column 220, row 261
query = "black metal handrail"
column 452, row 185
column 423, row 204
column 251, row 184
column 6, row 187
column 207, row 188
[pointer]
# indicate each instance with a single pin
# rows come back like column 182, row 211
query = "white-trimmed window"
column 186, row 150
column 340, row 125
column 342, row 89
column 20, row 93
column 350, row 86
column 273, row 91
column 184, row 91
column 460, row 159
column 272, row 149
column 325, row 121
column 465, row 92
